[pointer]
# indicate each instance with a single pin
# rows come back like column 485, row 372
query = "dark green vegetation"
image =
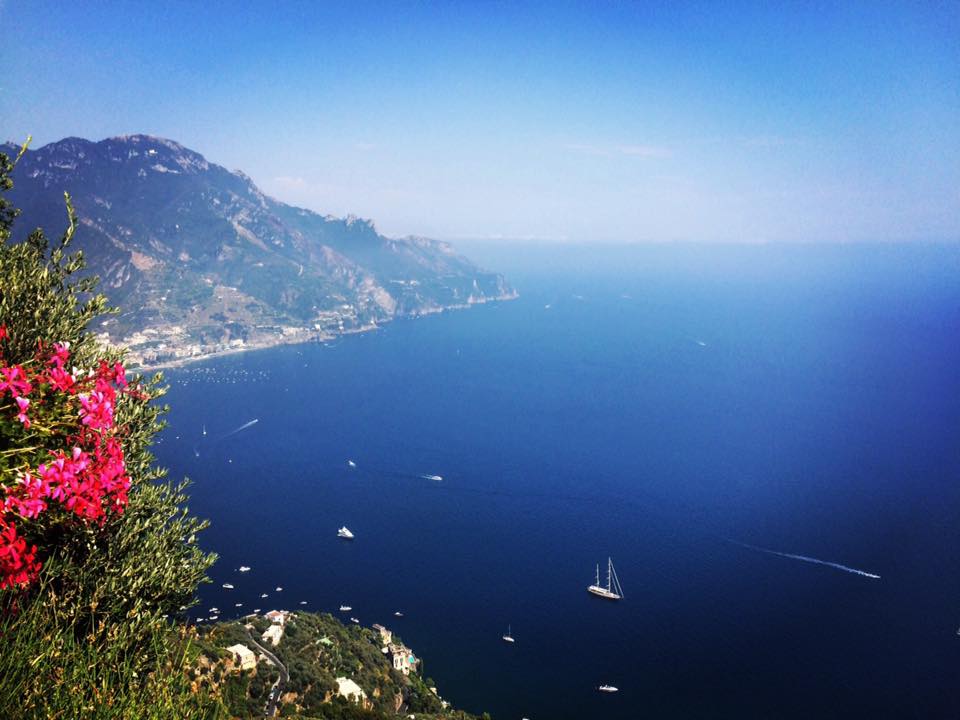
column 184, row 243
column 316, row 649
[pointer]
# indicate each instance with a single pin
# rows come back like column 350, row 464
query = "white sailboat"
column 344, row 533
column 612, row 591
column 508, row 637
column 608, row 689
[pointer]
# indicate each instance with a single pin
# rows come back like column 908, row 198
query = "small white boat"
column 238, row 604
column 278, row 589
column 612, row 591
column 345, row 608
column 398, row 614
column 213, row 618
column 228, row 586
column 351, row 463
column 608, row 689
column 263, row 595
column 438, row 478
column 508, row 637
column 344, row 533
column 256, row 610
column 244, row 568
column 354, row 621
column 303, row 602
column 204, row 429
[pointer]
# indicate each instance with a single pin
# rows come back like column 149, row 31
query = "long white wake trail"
column 804, row 558
column 241, row 428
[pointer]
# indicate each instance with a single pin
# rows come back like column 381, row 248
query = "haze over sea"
column 645, row 403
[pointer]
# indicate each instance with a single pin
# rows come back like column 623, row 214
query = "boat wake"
column 241, row 428
column 804, row 558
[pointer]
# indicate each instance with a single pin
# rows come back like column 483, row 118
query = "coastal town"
column 166, row 345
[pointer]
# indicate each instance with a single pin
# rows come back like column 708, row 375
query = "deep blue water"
column 804, row 399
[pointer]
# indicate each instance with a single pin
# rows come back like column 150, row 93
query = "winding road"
column 271, row 708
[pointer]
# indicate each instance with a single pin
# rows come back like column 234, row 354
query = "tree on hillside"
column 96, row 550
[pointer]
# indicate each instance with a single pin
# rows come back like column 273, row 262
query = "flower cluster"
column 78, row 473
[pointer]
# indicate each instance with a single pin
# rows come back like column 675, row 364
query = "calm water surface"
column 646, row 404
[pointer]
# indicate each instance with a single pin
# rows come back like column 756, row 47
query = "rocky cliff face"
column 200, row 259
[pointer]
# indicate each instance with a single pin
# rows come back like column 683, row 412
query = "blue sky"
column 623, row 122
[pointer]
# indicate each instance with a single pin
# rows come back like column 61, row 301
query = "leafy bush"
column 95, row 552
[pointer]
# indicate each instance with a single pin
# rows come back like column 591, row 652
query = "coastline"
column 298, row 338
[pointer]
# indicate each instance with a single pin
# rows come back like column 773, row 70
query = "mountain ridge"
column 209, row 263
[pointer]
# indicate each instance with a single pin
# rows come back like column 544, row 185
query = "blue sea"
column 665, row 406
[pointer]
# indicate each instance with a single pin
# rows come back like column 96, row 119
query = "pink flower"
column 119, row 375
column 23, row 404
column 97, row 411
column 15, row 380
column 27, row 497
column 61, row 354
column 61, row 380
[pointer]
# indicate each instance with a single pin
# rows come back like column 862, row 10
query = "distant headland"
column 207, row 264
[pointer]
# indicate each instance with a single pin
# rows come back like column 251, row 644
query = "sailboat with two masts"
column 612, row 591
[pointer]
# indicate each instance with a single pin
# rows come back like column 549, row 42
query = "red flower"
column 61, row 380
column 87, row 481
column 115, row 374
column 18, row 564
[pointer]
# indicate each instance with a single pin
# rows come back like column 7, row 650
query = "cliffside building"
column 243, row 657
column 273, row 634
column 277, row 617
column 403, row 658
column 386, row 637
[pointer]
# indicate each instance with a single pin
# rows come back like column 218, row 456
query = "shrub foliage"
column 97, row 551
